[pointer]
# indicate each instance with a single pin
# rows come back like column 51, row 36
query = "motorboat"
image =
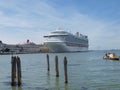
column 111, row 56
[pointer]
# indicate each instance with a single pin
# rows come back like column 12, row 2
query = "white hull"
column 62, row 47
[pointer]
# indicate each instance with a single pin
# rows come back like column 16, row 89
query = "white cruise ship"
column 62, row 41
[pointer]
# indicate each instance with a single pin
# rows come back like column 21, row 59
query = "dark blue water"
column 86, row 71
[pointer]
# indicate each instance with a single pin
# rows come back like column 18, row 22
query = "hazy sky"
column 31, row 19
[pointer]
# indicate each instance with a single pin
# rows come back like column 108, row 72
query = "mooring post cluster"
column 57, row 67
column 16, row 71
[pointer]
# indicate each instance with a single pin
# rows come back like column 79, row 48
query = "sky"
column 32, row 19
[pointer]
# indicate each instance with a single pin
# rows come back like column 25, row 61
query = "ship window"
column 57, row 35
column 76, row 45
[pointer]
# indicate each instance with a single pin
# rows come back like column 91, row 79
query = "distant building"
column 20, row 48
column 28, row 47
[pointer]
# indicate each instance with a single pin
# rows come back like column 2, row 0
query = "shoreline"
column 11, row 53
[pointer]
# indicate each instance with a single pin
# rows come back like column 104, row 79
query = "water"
column 86, row 71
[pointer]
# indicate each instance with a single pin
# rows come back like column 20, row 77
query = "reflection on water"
column 48, row 78
column 57, row 83
column 66, row 86
column 16, row 88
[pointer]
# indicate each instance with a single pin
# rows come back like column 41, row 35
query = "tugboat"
column 111, row 56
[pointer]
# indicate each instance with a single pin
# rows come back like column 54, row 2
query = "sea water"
column 86, row 71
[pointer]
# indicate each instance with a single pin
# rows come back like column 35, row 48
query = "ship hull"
column 62, row 47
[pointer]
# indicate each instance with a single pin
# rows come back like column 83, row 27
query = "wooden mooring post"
column 56, row 66
column 19, row 71
column 13, row 71
column 65, row 69
column 48, row 64
column 16, row 66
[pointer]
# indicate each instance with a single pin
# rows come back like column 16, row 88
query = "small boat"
column 111, row 56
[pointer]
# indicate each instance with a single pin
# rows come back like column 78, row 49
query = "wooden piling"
column 16, row 66
column 48, row 64
column 65, row 69
column 19, row 71
column 56, row 66
column 13, row 71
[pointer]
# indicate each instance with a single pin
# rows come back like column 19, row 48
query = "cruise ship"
column 63, row 41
